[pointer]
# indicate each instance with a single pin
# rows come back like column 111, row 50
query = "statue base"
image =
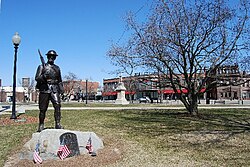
column 121, row 101
column 49, row 141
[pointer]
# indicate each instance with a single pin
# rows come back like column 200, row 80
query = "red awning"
column 182, row 91
column 171, row 91
column 203, row 90
column 115, row 93
column 167, row 91
column 109, row 93
column 129, row 93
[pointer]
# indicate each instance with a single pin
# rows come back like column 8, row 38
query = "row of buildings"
column 23, row 93
column 73, row 90
column 226, row 82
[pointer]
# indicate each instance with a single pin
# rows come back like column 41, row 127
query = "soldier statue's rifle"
column 42, row 59
column 43, row 62
column 38, row 84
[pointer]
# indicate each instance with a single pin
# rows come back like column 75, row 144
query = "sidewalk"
column 22, row 108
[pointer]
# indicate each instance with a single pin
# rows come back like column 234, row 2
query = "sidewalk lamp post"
column 2, row 94
column 86, row 91
column 16, row 39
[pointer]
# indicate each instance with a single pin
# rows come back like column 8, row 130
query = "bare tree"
column 183, row 37
column 123, row 58
column 31, row 87
column 70, row 82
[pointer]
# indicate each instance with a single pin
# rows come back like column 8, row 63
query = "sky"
column 80, row 31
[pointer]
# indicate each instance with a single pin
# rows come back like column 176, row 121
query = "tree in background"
column 70, row 83
column 122, row 58
column 181, row 38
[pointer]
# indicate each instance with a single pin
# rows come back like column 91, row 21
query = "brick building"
column 73, row 88
column 230, row 83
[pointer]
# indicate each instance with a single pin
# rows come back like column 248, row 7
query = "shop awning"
column 171, row 91
column 129, row 93
column 115, row 93
column 109, row 93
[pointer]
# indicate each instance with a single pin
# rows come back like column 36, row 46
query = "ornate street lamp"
column 16, row 39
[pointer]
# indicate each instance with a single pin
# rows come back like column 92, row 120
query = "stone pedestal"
column 49, row 142
column 121, row 94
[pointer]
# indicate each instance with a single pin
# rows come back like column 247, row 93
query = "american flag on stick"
column 36, row 156
column 89, row 146
column 63, row 151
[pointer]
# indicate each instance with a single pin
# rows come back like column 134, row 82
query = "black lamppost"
column 86, row 91
column 16, row 41
column 2, row 94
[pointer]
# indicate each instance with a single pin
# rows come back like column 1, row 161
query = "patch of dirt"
column 111, row 153
column 21, row 119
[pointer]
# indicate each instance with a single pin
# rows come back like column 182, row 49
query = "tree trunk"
column 193, row 108
column 191, row 104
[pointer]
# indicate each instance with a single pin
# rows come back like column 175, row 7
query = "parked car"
column 144, row 99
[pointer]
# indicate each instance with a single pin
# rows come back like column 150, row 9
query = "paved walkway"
column 22, row 108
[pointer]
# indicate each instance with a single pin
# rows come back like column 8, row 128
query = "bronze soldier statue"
column 49, row 83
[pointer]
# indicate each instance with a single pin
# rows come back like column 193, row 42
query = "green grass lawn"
column 218, row 137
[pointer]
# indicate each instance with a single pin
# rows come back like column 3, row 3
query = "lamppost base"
column 13, row 117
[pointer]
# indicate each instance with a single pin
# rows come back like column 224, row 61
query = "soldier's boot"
column 57, row 115
column 41, row 121
column 58, row 126
column 40, row 127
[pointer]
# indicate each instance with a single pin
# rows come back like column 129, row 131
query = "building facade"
column 140, row 85
column 27, row 92
column 227, row 82
column 22, row 94
column 75, row 89
column 231, row 83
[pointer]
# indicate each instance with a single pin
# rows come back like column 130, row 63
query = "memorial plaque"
column 70, row 139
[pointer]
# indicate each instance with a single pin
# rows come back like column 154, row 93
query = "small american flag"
column 89, row 146
column 36, row 156
column 63, row 151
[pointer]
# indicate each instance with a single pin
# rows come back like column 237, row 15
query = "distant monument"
column 120, row 89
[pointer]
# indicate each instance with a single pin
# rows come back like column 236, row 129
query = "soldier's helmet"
column 51, row 52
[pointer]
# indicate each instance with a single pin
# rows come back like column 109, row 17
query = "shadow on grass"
column 233, row 123
column 229, row 124
column 155, row 123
